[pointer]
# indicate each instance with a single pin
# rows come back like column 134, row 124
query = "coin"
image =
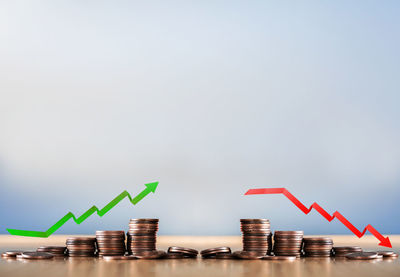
column 388, row 254
column 207, row 253
column 225, row 256
column 174, row 256
column 184, row 250
column 284, row 258
column 109, row 258
column 57, row 251
column 110, row 233
column 11, row 254
column 37, row 255
column 342, row 251
column 362, row 256
column 155, row 254
column 247, row 255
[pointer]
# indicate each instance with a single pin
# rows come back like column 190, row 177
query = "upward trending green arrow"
column 150, row 187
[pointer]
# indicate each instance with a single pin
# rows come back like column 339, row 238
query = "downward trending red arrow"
column 383, row 241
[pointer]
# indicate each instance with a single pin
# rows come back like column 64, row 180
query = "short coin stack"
column 257, row 236
column 81, row 246
column 142, row 235
column 288, row 243
column 317, row 247
column 57, row 251
column 110, row 243
column 214, row 252
column 184, row 251
column 342, row 251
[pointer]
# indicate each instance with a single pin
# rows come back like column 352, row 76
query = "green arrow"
column 151, row 187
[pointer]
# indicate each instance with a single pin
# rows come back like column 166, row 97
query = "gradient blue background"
column 209, row 98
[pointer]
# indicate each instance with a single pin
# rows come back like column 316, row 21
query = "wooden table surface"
column 196, row 267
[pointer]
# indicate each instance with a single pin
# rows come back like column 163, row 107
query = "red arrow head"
column 386, row 242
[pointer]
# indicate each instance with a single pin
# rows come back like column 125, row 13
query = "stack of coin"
column 110, row 243
column 57, row 251
column 257, row 236
column 142, row 235
column 317, row 247
column 81, row 247
column 288, row 243
column 342, row 251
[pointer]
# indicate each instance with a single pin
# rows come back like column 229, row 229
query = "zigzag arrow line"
column 151, row 187
column 383, row 241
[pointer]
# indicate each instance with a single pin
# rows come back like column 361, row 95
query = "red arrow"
column 383, row 241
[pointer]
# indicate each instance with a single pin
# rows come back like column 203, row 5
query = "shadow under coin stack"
column 110, row 243
column 257, row 236
column 57, row 251
column 142, row 235
column 288, row 243
column 317, row 247
column 342, row 251
column 81, row 247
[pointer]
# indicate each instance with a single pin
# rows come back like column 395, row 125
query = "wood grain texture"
column 88, row 267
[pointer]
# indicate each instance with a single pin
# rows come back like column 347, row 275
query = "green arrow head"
column 152, row 186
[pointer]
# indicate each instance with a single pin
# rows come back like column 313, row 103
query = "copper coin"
column 347, row 248
column 174, row 256
column 362, row 256
column 81, row 247
column 254, row 220
column 5, row 255
column 52, row 248
column 12, row 253
column 145, row 220
column 276, row 258
column 110, row 233
column 81, row 240
column 225, row 256
column 213, row 251
column 109, row 258
column 385, row 253
column 81, row 254
column 110, row 239
column 289, row 233
column 155, row 254
column 37, row 255
column 318, row 240
column 317, row 247
column 246, row 255
column 183, row 250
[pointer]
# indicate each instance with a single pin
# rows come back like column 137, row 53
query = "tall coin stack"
column 288, row 243
column 317, row 247
column 142, row 235
column 81, row 247
column 256, row 236
column 110, row 243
